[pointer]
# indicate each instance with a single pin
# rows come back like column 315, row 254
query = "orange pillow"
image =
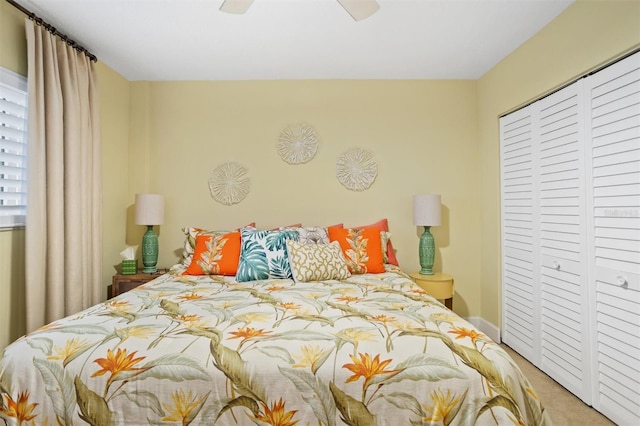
column 190, row 241
column 362, row 248
column 215, row 255
column 383, row 225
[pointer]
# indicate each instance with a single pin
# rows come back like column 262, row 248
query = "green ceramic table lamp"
column 426, row 212
column 149, row 212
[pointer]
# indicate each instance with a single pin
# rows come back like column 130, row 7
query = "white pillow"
column 263, row 254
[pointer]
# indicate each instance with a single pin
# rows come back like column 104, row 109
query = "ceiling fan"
column 358, row 9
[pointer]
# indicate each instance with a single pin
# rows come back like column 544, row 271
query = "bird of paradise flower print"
column 116, row 364
column 185, row 407
column 443, row 408
column 246, row 333
column 20, row 410
column 71, row 349
column 207, row 350
column 311, row 357
column 367, row 367
column 276, row 415
column 462, row 332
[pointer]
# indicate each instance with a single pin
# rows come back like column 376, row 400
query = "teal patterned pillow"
column 263, row 254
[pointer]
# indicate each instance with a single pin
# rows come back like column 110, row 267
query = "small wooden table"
column 439, row 285
column 122, row 283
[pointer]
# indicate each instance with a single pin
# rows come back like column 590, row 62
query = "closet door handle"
column 622, row 281
column 556, row 265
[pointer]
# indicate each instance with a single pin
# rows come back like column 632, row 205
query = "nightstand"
column 122, row 283
column 438, row 285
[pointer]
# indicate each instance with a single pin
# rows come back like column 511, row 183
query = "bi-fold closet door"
column 570, row 166
column 614, row 202
column 545, row 303
column 564, row 303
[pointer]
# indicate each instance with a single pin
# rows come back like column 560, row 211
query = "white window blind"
column 13, row 149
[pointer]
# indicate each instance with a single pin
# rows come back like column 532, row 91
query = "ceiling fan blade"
column 360, row 9
column 235, row 6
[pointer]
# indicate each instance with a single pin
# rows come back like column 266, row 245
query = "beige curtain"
column 64, row 212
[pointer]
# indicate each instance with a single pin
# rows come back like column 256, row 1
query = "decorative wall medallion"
column 298, row 144
column 356, row 170
column 228, row 184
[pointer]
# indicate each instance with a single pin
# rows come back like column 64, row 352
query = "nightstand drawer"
column 124, row 286
column 122, row 283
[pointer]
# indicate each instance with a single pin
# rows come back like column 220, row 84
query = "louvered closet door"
column 519, row 255
column 615, row 151
column 564, row 316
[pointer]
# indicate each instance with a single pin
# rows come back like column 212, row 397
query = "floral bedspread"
column 374, row 349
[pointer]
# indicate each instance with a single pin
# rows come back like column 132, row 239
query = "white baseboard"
column 486, row 327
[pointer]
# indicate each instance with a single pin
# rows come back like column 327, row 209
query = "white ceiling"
column 298, row 39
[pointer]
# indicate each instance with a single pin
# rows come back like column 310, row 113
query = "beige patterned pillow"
column 317, row 262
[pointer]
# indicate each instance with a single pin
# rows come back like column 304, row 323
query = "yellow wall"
column 421, row 133
column 12, row 303
column 114, row 117
column 586, row 34
column 13, row 44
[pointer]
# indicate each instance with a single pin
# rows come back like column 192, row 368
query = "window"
column 13, row 149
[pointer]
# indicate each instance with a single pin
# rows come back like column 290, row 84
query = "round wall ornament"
column 356, row 170
column 228, row 184
column 297, row 144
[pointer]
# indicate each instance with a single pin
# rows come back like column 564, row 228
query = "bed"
column 368, row 348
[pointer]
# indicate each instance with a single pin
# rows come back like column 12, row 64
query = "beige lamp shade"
column 149, row 209
column 426, row 210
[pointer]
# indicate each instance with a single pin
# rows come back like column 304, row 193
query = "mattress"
column 372, row 349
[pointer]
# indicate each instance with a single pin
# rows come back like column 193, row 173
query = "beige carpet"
column 565, row 409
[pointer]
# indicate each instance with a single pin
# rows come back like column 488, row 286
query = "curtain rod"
column 53, row 30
